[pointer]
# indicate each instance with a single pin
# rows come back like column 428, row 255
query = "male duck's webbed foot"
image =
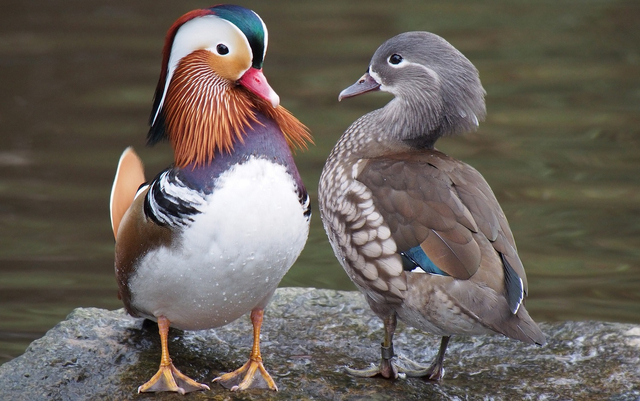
column 168, row 378
column 245, row 377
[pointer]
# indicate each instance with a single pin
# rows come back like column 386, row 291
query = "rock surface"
column 308, row 335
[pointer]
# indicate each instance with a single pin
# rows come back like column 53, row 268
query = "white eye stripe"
column 405, row 63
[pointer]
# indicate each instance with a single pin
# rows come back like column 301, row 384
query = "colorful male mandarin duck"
column 420, row 233
column 209, row 238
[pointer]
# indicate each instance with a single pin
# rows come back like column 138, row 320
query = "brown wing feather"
column 455, row 252
column 439, row 203
column 478, row 197
column 422, row 208
column 129, row 177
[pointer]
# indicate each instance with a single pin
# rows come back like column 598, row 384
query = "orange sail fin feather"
column 204, row 115
column 129, row 177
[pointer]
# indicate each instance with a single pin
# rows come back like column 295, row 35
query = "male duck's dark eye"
column 395, row 59
column 222, row 49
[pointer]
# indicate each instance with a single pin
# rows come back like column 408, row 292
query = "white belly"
column 232, row 257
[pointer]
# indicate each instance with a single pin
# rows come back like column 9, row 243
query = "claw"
column 386, row 369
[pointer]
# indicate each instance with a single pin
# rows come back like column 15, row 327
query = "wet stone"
column 308, row 336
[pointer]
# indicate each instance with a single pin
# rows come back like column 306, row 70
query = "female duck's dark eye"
column 222, row 49
column 395, row 59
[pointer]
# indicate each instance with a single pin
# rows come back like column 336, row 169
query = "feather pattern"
column 431, row 214
column 514, row 286
column 172, row 202
column 305, row 201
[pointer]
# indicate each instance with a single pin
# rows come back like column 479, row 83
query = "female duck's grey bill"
column 365, row 84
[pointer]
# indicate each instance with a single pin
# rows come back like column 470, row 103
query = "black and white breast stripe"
column 305, row 201
column 171, row 202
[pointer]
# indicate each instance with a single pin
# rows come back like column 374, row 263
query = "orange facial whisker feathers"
column 205, row 113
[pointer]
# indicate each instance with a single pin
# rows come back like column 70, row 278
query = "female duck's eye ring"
column 395, row 59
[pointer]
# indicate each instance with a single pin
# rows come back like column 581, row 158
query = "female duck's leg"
column 387, row 368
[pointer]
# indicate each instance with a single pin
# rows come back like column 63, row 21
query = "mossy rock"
column 307, row 337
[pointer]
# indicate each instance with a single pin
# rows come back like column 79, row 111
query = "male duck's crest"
column 211, row 85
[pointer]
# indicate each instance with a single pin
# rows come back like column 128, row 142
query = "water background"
column 560, row 147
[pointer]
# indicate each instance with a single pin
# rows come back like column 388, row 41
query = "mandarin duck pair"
column 209, row 238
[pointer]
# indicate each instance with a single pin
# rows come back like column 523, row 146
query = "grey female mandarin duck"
column 209, row 238
column 420, row 233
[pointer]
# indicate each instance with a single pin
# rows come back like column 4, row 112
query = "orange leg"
column 243, row 378
column 168, row 378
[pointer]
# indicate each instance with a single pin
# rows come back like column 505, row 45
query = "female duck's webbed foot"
column 435, row 372
column 389, row 369
column 386, row 369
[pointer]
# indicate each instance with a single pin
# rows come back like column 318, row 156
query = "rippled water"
column 560, row 147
